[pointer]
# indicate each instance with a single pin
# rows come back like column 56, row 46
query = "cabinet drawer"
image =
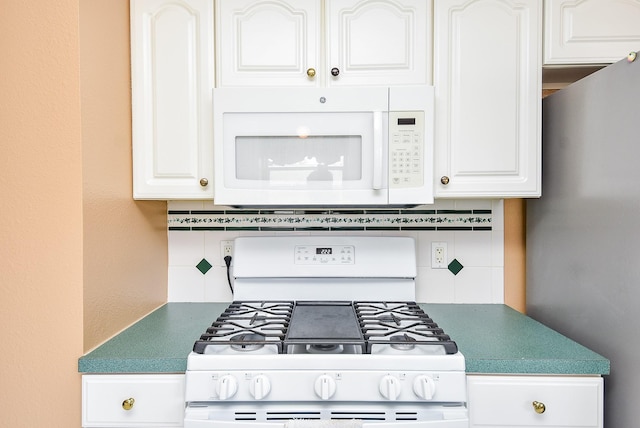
column 507, row 401
column 159, row 400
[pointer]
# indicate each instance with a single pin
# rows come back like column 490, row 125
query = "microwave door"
column 303, row 159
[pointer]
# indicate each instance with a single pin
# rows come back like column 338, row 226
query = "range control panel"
column 406, row 149
column 325, row 255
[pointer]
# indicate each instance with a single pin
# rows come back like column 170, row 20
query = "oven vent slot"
column 275, row 416
column 311, row 415
column 365, row 416
column 406, row 416
column 375, row 416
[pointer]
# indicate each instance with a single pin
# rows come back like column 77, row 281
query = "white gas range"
column 324, row 331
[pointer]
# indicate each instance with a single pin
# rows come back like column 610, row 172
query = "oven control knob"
column 227, row 387
column 325, row 386
column 424, row 387
column 259, row 387
column 390, row 387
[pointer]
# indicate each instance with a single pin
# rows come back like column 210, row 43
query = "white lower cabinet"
column 535, row 401
column 150, row 400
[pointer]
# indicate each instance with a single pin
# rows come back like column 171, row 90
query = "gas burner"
column 402, row 342
column 325, row 349
column 389, row 319
column 246, row 342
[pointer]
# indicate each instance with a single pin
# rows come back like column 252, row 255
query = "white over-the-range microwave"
column 356, row 146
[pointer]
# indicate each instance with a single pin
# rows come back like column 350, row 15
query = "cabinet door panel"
column 488, row 82
column 507, row 401
column 381, row 42
column 172, row 79
column 268, row 42
column 590, row 31
column 158, row 400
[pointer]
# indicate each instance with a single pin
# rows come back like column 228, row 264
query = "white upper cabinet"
column 267, row 42
column 590, row 31
column 172, row 78
column 487, row 75
column 323, row 42
column 379, row 42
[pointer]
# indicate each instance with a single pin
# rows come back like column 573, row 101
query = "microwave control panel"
column 406, row 149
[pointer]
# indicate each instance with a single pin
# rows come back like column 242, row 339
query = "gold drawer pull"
column 539, row 407
column 128, row 403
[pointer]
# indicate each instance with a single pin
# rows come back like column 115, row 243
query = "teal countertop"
column 493, row 339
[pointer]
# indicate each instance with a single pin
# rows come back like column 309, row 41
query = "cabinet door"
column 172, row 80
column 487, row 62
column 590, row 31
column 535, row 401
column 133, row 400
column 378, row 42
column 268, row 42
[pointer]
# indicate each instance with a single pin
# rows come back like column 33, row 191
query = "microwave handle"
column 377, row 150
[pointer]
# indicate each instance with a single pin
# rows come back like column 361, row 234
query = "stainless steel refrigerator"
column 583, row 234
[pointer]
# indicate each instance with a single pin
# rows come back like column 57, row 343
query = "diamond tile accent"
column 204, row 266
column 455, row 266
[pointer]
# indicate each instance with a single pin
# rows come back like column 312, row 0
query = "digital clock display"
column 327, row 250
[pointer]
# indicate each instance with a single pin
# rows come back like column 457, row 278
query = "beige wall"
column 125, row 242
column 514, row 253
column 41, row 214
column 80, row 260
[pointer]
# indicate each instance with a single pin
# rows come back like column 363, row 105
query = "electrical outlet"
column 226, row 249
column 438, row 255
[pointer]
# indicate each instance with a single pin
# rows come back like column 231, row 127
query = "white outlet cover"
column 439, row 255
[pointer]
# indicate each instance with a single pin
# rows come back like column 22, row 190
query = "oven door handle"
column 377, row 150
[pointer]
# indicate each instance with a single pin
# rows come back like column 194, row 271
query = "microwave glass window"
column 293, row 159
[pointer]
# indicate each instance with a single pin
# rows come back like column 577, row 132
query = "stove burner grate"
column 401, row 325
column 295, row 326
column 255, row 324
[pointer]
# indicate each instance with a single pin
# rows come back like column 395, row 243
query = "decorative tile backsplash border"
column 330, row 220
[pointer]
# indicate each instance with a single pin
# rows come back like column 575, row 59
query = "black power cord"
column 227, row 261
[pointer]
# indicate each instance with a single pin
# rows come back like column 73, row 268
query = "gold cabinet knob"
column 444, row 180
column 204, row 182
column 311, row 72
column 128, row 403
column 539, row 407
